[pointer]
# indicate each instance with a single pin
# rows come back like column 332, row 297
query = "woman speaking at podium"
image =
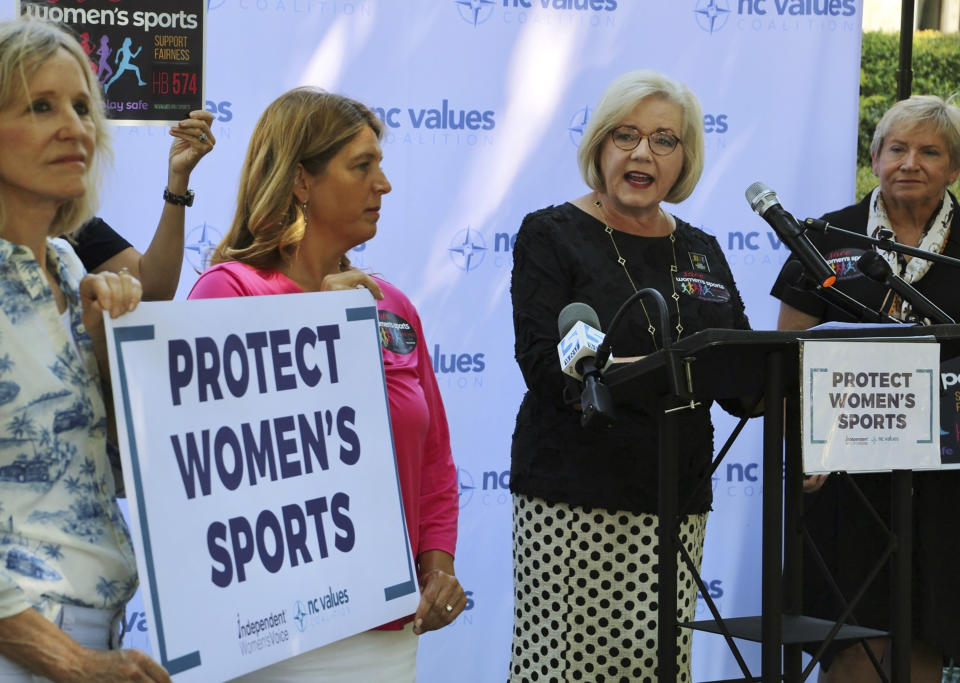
column 916, row 156
column 585, row 501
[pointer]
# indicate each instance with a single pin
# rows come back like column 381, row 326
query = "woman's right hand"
column 351, row 278
column 119, row 665
column 35, row 642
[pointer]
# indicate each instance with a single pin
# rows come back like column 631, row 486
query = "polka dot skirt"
column 585, row 602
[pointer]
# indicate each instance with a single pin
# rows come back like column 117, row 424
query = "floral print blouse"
column 62, row 537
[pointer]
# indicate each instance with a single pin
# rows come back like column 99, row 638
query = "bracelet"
column 178, row 199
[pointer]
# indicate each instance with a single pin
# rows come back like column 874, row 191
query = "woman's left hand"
column 194, row 139
column 113, row 293
column 442, row 599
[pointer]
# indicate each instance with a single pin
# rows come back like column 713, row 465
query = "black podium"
column 736, row 365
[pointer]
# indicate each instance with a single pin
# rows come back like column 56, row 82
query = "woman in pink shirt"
column 310, row 190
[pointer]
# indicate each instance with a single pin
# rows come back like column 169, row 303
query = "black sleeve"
column 852, row 218
column 803, row 300
column 540, row 287
column 740, row 320
column 96, row 242
column 733, row 406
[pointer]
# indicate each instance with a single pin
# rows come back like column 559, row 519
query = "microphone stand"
column 678, row 387
column 885, row 243
column 841, row 300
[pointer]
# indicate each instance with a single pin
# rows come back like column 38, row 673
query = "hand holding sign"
column 442, row 599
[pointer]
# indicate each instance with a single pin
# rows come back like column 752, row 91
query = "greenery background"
column 936, row 71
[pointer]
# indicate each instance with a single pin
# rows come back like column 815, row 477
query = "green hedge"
column 936, row 71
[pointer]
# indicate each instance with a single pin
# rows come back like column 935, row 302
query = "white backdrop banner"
column 484, row 102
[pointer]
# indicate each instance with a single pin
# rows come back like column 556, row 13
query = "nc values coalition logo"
column 494, row 488
column 476, row 12
column 200, row 243
column 712, row 123
column 578, row 122
column 443, row 123
column 738, row 480
column 468, row 249
column 324, row 7
column 713, row 15
column 321, row 608
column 458, row 369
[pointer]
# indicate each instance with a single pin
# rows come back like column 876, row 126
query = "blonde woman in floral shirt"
column 66, row 562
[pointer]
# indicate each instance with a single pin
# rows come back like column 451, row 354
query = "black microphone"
column 596, row 404
column 764, row 201
column 876, row 268
column 794, row 275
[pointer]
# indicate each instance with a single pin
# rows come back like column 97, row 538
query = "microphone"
column 579, row 338
column 764, row 201
column 794, row 275
column 876, row 268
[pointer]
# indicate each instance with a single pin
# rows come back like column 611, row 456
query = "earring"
column 303, row 209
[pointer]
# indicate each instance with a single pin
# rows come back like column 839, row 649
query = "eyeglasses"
column 628, row 138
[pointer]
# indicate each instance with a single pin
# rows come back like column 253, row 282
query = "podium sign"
column 261, row 478
column 869, row 406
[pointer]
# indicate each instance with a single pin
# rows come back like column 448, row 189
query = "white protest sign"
column 869, row 405
column 261, row 478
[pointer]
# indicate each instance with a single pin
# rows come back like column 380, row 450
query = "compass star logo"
column 475, row 12
column 465, row 486
column 577, row 124
column 299, row 615
column 200, row 243
column 712, row 15
column 467, row 249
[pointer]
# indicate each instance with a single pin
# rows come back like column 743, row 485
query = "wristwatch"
column 179, row 199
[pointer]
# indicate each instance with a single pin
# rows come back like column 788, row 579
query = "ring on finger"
column 449, row 608
column 202, row 137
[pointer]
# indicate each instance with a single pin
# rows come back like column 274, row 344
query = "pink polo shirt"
column 428, row 477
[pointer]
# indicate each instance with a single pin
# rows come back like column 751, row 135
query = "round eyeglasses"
column 628, row 138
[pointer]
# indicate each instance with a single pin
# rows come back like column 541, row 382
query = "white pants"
column 389, row 656
column 96, row 629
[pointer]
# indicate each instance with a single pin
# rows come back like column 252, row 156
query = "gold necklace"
column 623, row 264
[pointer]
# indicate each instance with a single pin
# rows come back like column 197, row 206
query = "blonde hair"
column 25, row 46
column 303, row 127
column 619, row 99
column 916, row 111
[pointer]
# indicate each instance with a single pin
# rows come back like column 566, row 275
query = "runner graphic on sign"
column 104, row 70
column 126, row 55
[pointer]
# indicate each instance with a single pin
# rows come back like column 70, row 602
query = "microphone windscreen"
column 754, row 191
column 795, row 276
column 874, row 266
column 574, row 312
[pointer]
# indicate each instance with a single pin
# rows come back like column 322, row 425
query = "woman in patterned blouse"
column 66, row 562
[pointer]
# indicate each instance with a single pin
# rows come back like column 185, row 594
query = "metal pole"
column 901, row 585
column 905, row 68
column 771, row 573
